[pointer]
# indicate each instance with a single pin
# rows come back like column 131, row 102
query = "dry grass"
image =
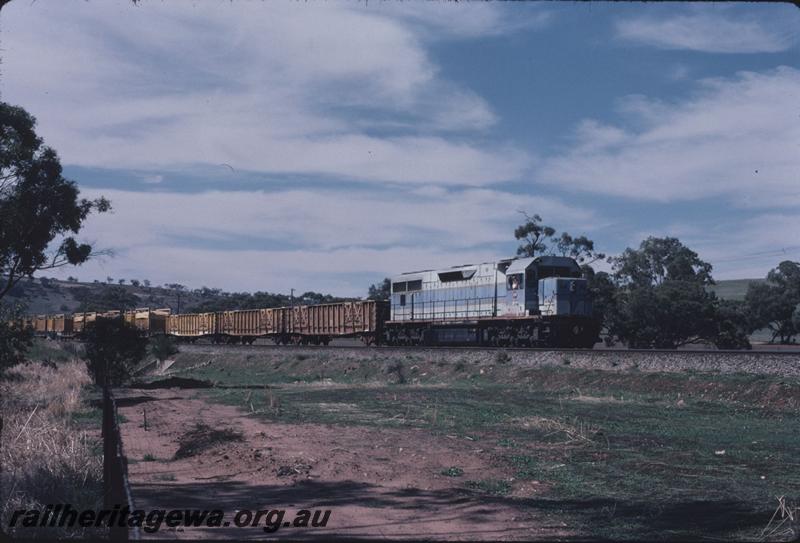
column 784, row 525
column 45, row 457
column 575, row 430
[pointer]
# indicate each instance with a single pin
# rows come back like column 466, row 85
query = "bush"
column 14, row 339
column 113, row 348
column 733, row 325
column 162, row 347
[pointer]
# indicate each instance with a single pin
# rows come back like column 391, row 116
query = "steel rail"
column 462, row 348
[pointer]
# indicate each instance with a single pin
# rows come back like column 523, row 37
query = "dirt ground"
column 377, row 482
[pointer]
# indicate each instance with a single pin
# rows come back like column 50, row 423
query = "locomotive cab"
column 564, row 296
column 545, row 285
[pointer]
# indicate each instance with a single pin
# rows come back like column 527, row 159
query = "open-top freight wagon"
column 303, row 324
column 148, row 321
column 52, row 326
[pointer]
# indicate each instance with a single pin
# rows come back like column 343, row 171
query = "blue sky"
column 324, row 145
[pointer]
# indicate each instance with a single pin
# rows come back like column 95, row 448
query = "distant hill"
column 733, row 289
column 48, row 296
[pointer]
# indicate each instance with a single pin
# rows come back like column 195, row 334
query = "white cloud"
column 152, row 179
column 447, row 20
column 736, row 138
column 337, row 272
column 218, row 238
column 707, row 32
column 678, row 72
column 270, row 87
column 322, row 219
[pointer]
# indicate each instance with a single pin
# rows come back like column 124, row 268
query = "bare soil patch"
column 377, row 482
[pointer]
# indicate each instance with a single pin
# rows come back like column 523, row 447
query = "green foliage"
column 733, row 325
column 604, row 297
column 580, row 248
column 14, row 338
column 658, row 260
column 162, row 347
column 796, row 317
column 774, row 304
column 665, row 316
column 453, row 472
column 538, row 239
column 659, row 299
column 39, row 208
column 380, row 291
column 533, row 235
column 113, row 348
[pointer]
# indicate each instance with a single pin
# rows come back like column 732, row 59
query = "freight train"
column 515, row 302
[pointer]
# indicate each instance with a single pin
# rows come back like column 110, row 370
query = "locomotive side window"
column 514, row 281
column 399, row 287
column 415, row 285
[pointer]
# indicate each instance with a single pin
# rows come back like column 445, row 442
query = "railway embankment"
column 511, row 361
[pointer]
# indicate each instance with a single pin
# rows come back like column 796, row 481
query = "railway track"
column 790, row 351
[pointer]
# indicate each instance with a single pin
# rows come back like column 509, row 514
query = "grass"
column 453, row 472
column 495, row 487
column 50, row 445
column 617, row 450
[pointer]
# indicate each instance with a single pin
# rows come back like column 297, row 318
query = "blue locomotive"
column 525, row 302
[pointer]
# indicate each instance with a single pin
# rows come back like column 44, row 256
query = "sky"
column 322, row 146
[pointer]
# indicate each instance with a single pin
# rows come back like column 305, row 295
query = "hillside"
column 43, row 295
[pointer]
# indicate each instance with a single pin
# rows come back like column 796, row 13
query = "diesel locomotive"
column 517, row 302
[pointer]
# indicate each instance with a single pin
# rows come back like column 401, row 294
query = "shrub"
column 14, row 339
column 113, row 348
column 162, row 347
